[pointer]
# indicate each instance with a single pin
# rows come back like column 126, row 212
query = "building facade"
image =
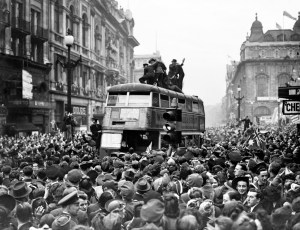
column 139, row 60
column 33, row 49
column 267, row 61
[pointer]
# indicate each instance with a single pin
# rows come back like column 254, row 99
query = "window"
column 164, row 101
column 138, row 99
column 84, row 29
column 116, row 99
column 189, row 105
column 195, row 106
column 70, row 21
column 261, row 86
column 155, row 100
column 282, row 79
column 97, row 40
column 57, row 17
column 181, row 103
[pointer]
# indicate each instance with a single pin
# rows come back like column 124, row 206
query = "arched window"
column 282, row 79
column 57, row 17
column 262, row 86
column 84, row 29
column 97, row 40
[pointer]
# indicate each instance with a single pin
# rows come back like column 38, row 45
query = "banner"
column 289, row 15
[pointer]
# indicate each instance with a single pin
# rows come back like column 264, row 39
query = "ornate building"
column 32, row 39
column 267, row 60
column 139, row 60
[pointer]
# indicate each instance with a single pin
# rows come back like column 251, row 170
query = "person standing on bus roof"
column 159, row 70
column 148, row 74
column 176, row 73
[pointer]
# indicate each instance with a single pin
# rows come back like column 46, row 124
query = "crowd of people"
column 237, row 179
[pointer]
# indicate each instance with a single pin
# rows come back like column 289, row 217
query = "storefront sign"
column 291, row 107
column 18, row 103
column 78, row 110
column 26, row 85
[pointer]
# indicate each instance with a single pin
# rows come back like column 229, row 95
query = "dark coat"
column 256, row 208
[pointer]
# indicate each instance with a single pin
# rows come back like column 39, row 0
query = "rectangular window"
column 164, row 101
column 155, row 100
column 139, row 99
column 189, row 105
column 195, row 107
column 117, row 99
column 181, row 103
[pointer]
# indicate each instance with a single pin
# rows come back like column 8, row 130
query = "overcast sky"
column 207, row 33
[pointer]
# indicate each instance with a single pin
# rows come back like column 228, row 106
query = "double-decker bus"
column 134, row 117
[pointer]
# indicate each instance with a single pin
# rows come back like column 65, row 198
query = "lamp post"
column 69, row 40
column 278, row 113
column 239, row 99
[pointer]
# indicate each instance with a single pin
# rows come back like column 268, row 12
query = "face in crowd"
column 252, row 199
column 242, row 187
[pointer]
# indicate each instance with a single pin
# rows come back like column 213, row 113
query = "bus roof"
column 138, row 87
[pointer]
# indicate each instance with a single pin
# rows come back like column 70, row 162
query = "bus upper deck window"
column 164, row 101
column 116, row 99
column 195, row 106
column 155, row 100
column 139, row 99
column 181, row 103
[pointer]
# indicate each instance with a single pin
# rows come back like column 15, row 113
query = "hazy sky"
column 207, row 33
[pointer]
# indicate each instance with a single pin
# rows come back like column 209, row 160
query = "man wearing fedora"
column 20, row 191
column 141, row 186
column 70, row 206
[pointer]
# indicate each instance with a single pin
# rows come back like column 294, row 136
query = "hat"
column 152, row 211
column 194, row 180
column 74, row 176
column 235, row 156
column 142, row 185
column 114, row 204
column 47, row 219
column 69, row 199
column 20, row 190
column 110, row 185
column 260, row 166
column 127, row 189
column 62, row 222
column 174, row 60
column 181, row 151
column 108, row 177
column 237, row 179
column 52, row 172
column 8, row 202
column 152, row 59
column 151, row 194
column 106, row 196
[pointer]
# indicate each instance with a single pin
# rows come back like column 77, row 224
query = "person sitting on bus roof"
column 148, row 75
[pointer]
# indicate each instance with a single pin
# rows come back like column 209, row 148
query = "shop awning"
column 23, row 127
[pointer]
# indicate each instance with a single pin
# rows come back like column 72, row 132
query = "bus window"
column 195, row 106
column 201, row 107
column 189, row 105
column 139, row 99
column 181, row 103
column 164, row 101
column 155, row 100
column 116, row 99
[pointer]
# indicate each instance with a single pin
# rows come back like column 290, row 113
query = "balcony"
column 20, row 25
column 40, row 33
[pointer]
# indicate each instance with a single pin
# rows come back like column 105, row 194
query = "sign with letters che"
column 291, row 107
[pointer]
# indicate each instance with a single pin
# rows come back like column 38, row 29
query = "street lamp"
column 239, row 99
column 69, row 40
column 278, row 113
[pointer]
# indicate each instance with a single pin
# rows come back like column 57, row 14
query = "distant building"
column 139, row 60
column 267, row 60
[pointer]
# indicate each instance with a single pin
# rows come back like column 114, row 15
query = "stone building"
column 139, row 60
column 267, row 60
column 33, row 49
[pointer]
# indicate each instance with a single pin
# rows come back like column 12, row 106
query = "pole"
column 278, row 114
column 69, row 73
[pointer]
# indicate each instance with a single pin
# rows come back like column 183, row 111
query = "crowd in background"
column 237, row 179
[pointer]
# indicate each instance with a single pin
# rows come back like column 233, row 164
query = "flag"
column 288, row 15
column 149, row 148
column 278, row 26
column 287, row 171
